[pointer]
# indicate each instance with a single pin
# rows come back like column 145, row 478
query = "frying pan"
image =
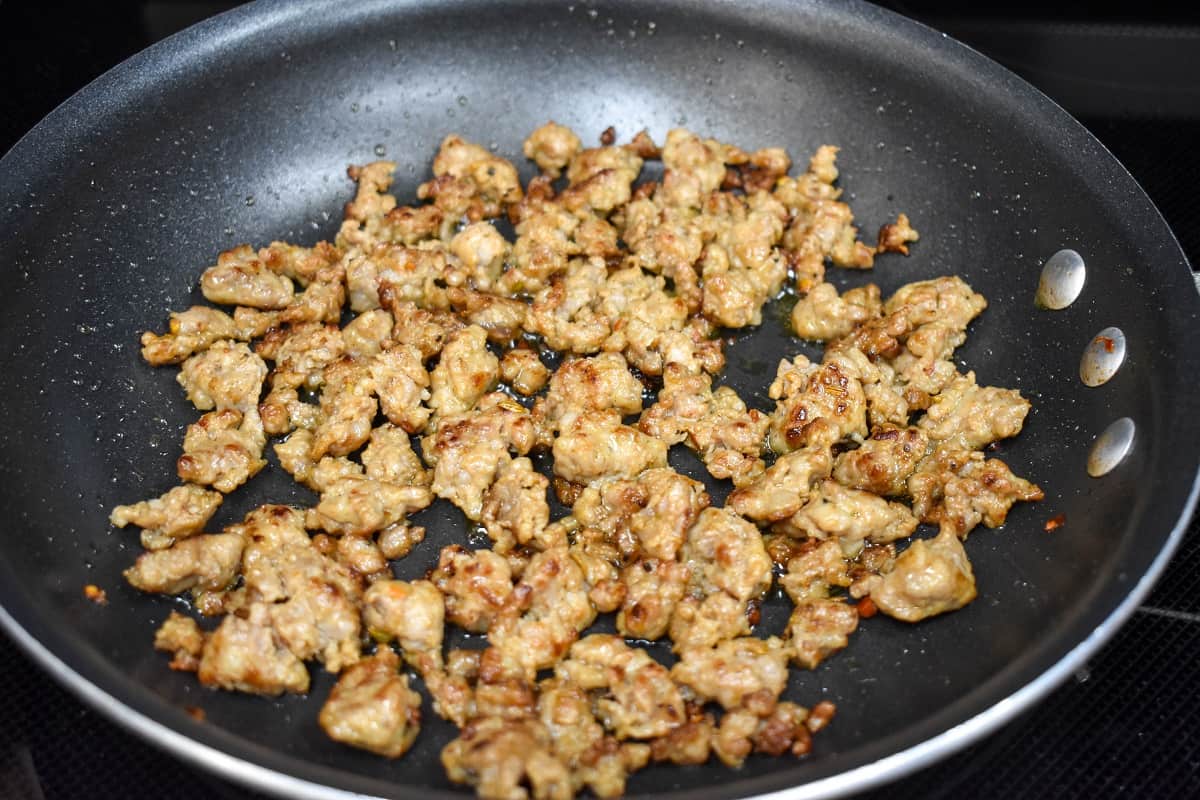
column 240, row 130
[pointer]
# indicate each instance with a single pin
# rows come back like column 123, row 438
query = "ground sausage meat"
column 734, row 670
column 413, row 614
column 178, row 514
column 223, row 449
column 246, row 655
column 372, row 707
column 819, row 628
column 182, row 638
column 206, row 562
column 458, row 357
column 931, row 577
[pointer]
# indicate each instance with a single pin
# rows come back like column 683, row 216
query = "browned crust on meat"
column 628, row 289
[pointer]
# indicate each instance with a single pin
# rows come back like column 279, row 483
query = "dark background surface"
column 1125, row 725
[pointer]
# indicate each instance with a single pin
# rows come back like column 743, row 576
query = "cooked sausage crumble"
column 422, row 356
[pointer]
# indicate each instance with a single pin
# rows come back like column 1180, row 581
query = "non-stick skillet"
column 240, row 129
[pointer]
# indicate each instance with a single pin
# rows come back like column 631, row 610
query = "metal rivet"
column 1102, row 357
column 1062, row 280
column 1110, row 447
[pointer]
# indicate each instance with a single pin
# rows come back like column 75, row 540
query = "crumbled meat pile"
column 438, row 387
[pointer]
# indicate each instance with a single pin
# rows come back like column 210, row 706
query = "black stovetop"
column 1126, row 725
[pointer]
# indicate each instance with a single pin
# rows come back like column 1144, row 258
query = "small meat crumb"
column 1054, row 523
column 95, row 594
column 820, row 716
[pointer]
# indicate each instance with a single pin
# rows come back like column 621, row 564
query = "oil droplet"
column 462, row 100
column 249, row 200
column 380, row 150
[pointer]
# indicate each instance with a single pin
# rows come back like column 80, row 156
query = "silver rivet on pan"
column 1062, row 280
column 1110, row 447
column 1102, row 357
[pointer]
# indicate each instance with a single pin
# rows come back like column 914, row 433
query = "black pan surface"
column 240, row 130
